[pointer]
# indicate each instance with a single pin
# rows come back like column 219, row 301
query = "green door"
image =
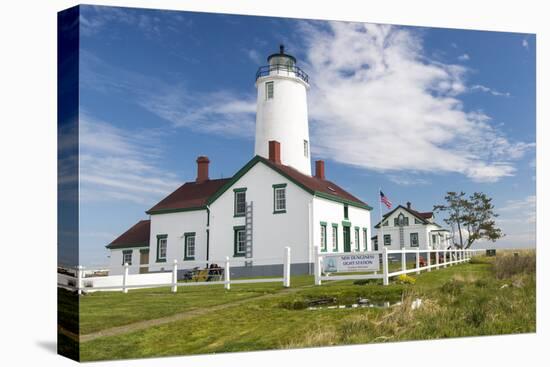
column 347, row 243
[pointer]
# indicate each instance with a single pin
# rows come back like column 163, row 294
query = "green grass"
column 462, row 300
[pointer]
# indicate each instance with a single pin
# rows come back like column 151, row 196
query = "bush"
column 453, row 287
column 405, row 279
column 521, row 262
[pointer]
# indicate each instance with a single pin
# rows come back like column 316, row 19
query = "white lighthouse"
column 281, row 111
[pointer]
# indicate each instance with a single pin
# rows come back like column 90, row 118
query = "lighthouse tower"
column 281, row 111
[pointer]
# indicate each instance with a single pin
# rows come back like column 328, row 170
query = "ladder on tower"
column 248, row 229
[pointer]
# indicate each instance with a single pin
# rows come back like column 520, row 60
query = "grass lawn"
column 462, row 300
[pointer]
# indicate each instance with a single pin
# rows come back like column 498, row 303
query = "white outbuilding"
column 407, row 228
column 271, row 203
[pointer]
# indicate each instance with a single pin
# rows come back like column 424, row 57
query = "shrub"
column 453, row 287
column 405, row 279
column 508, row 265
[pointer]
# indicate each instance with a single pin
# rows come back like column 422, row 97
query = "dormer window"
column 401, row 221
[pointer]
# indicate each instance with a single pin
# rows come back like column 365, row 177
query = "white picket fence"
column 78, row 282
column 443, row 258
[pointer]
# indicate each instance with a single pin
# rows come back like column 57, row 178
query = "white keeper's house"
column 272, row 202
column 406, row 228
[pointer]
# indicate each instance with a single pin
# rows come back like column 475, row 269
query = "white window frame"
column 124, row 254
column 269, row 90
column 306, row 148
column 323, row 237
column 411, row 239
column 236, row 203
column 160, row 248
column 279, row 202
column 365, row 239
column 334, row 238
column 357, row 239
column 187, row 255
column 241, row 233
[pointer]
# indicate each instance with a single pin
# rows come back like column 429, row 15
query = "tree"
column 475, row 214
column 478, row 219
column 455, row 209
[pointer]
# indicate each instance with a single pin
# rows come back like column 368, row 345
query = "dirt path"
column 118, row 330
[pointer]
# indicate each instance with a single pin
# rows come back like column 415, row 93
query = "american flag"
column 385, row 200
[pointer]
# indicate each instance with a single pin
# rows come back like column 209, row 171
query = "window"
column 279, row 198
column 162, row 241
column 127, row 257
column 357, row 243
column 385, row 223
column 365, row 239
column 239, row 241
column 434, row 239
column 269, row 90
column 417, row 221
column 240, row 202
column 323, row 237
column 414, row 239
column 387, row 240
column 335, row 237
column 189, row 246
column 306, row 148
column 346, row 211
column 401, row 220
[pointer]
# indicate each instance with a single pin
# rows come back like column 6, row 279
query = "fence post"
column 175, row 276
column 445, row 252
column 418, row 260
column 125, row 278
column 317, row 266
column 286, row 268
column 385, row 271
column 403, row 259
column 429, row 260
column 79, row 279
column 437, row 259
column 227, row 277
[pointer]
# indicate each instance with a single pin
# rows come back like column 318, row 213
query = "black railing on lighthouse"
column 276, row 68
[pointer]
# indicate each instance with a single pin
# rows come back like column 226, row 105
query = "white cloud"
column 222, row 112
column 121, row 165
column 378, row 102
column 525, row 44
column 406, row 180
column 254, row 56
column 520, row 211
column 494, row 92
column 464, row 57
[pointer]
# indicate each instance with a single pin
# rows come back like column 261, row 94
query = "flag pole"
column 380, row 212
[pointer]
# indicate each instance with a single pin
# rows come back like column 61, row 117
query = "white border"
column 28, row 185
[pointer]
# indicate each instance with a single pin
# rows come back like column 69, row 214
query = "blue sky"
column 416, row 111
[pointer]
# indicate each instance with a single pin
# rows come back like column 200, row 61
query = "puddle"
column 360, row 304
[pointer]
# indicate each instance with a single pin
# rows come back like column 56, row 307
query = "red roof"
column 137, row 235
column 189, row 195
column 425, row 215
column 313, row 183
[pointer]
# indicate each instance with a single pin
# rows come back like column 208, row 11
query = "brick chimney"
column 408, row 204
column 275, row 151
column 320, row 169
column 202, row 169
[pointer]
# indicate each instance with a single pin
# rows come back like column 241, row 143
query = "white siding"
column 423, row 230
column 271, row 232
column 115, row 261
column 333, row 212
column 175, row 225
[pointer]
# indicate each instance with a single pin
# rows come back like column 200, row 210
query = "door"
column 347, row 243
column 143, row 260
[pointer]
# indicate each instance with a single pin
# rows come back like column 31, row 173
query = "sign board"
column 345, row 263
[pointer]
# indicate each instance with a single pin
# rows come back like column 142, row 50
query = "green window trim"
column 323, row 223
column 161, row 237
column 126, row 252
column 144, row 251
column 345, row 223
column 236, row 230
column 389, row 242
column 186, row 235
column 346, row 211
column 411, row 236
column 275, row 188
column 235, row 195
column 365, row 238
